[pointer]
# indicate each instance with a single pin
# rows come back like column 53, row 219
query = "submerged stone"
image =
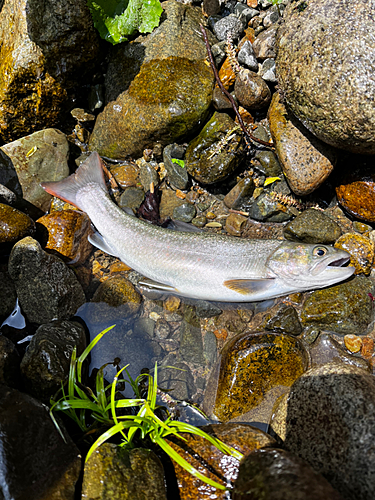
column 356, row 193
column 252, row 365
column 361, row 250
column 312, row 226
column 14, row 225
column 343, row 308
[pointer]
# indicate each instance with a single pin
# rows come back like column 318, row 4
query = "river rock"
column 321, row 47
column 210, row 461
column 115, row 473
column 177, row 381
column 361, row 250
column 277, row 474
column 312, row 226
column 65, row 234
column 265, row 208
column 269, row 164
column 8, row 295
column 343, row 308
column 253, row 368
column 251, row 90
column 36, row 462
column 159, row 88
column 356, row 193
column 46, row 288
column 39, row 157
column 306, row 161
column 44, row 53
column 235, row 224
column 246, row 56
column 330, row 423
column 229, row 25
column 191, row 342
column 240, row 194
column 14, row 225
column 177, row 174
column 46, row 362
column 9, row 363
column 126, row 175
column 206, row 159
column 264, row 44
column 284, row 320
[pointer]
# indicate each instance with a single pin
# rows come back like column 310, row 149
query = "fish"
column 203, row 265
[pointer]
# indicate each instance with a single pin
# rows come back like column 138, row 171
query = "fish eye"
column 320, row 251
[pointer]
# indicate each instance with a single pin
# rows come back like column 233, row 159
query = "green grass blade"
column 186, row 465
column 88, row 349
column 72, row 374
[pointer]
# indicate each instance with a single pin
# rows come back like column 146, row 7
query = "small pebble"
column 199, row 221
column 221, row 334
column 172, row 303
column 185, row 212
column 210, row 215
column 234, row 224
column 367, row 348
column 353, row 343
column 214, row 224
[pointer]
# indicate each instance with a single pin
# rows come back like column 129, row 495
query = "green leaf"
column 181, row 163
column 116, row 19
column 87, row 351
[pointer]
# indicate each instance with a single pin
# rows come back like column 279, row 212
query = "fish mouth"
column 334, row 264
column 339, row 262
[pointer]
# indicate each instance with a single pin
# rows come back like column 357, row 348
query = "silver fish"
column 198, row 265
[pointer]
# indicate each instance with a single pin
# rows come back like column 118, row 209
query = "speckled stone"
column 356, row 193
column 331, row 424
column 312, row 226
column 251, row 90
column 325, row 66
column 361, row 250
column 306, row 161
column 343, row 308
column 276, row 474
column 199, row 452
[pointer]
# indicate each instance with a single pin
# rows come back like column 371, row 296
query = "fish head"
column 306, row 267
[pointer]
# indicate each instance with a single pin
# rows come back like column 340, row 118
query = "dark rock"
column 36, row 462
column 178, row 381
column 330, row 424
column 132, row 197
column 312, row 226
column 177, row 175
column 46, row 288
column 279, row 475
column 285, row 321
column 240, row 194
column 162, row 76
column 185, row 212
column 64, row 233
column 48, row 162
column 115, row 473
column 252, row 365
column 147, row 176
column 220, row 100
column 251, row 90
column 267, row 209
column 235, row 224
column 306, row 161
column 191, row 343
column 9, row 178
column 55, row 48
column 316, row 58
column 47, row 359
column 210, row 348
column 9, row 363
column 14, row 225
column 8, row 295
column 344, row 308
column 205, row 159
column 205, row 309
column 269, row 164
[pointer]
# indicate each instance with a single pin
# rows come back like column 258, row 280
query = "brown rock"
column 361, row 251
column 14, row 225
column 306, row 162
column 126, row 175
column 226, row 74
column 251, row 90
column 65, row 233
column 235, row 224
column 357, row 194
column 353, row 343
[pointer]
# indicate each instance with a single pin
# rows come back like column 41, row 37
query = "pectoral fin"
column 98, row 241
column 249, row 286
column 155, row 285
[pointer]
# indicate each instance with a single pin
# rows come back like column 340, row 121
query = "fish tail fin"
column 89, row 172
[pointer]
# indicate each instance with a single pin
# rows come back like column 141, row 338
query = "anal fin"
column 98, row 241
column 249, row 286
column 155, row 285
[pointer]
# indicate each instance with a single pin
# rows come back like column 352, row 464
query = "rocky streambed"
column 288, row 382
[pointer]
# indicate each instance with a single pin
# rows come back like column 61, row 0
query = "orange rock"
column 249, row 35
column 180, row 194
column 367, row 347
column 357, row 195
column 353, row 343
column 118, row 267
column 65, row 233
column 226, row 74
column 172, row 303
column 221, row 334
column 361, row 251
column 252, row 3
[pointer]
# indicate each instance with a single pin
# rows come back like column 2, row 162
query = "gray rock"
column 264, row 44
column 330, row 424
column 185, row 212
column 179, row 383
column 285, row 320
column 206, row 309
column 36, row 158
column 269, row 164
column 148, row 175
column 230, row 24
column 113, row 472
column 47, row 359
column 312, row 226
column 46, row 288
column 210, row 348
column 177, row 175
column 268, row 209
column 246, row 56
column 251, row 90
column 325, row 67
column 191, row 343
column 218, row 51
column 132, row 197
column 268, row 71
column 36, row 462
column 244, row 13
column 46, row 53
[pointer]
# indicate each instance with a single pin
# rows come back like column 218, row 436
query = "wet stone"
column 278, row 474
column 361, row 250
column 235, row 224
column 210, row 348
column 356, row 193
column 185, row 212
column 126, row 175
column 199, row 221
column 200, row 453
column 312, row 226
column 47, row 359
column 132, row 197
column 115, row 473
column 65, row 234
column 8, row 295
column 264, row 44
column 353, row 343
column 270, row 165
column 168, row 203
column 330, row 424
column 343, row 308
column 306, row 161
column 285, row 321
column 220, row 100
column 205, row 159
column 36, row 462
column 251, row 366
column 177, row 380
column 14, row 225
column 9, row 363
column 191, row 343
column 148, row 176
column 46, row 288
column 206, row 309
column 246, row 56
column 251, row 90
column 266, row 209
column 177, row 175
column 240, row 194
